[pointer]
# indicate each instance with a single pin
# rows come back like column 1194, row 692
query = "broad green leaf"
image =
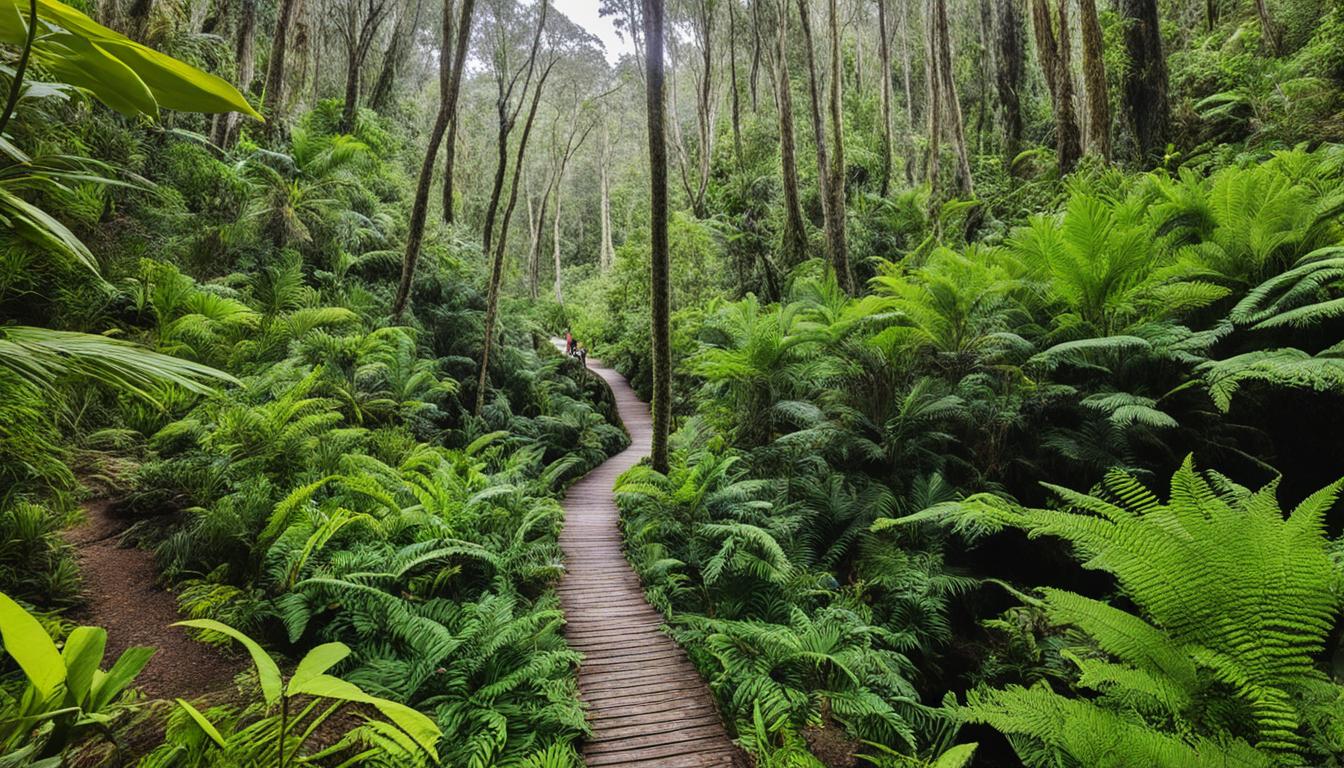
column 107, row 686
column 317, row 662
column 31, row 647
column 203, row 722
column 956, row 757
column 419, row 727
column 127, row 76
column 82, row 654
column 268, row 674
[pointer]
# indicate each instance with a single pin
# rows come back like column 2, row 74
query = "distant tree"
column 359, row 28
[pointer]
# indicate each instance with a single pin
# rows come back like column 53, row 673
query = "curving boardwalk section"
column 647, row 704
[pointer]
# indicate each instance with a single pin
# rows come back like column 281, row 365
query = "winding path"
column 647, row 704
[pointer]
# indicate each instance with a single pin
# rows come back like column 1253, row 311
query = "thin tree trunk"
column 275, row 67
column 732, row 73
column 1147, row 109
column 449, row 80
column 555, row 238
column 839, row 247
column 607, row 252
column 755, row 51
column 1066, row 121
column 450, row 148
column 395, row 59
column 1269, row 30
column 933, row 80
column 660, row 299
column 1046, row 51
column 904, row 31
column 506, row 120
column 1094, row 75
column 794, row 244
column 818, row 129
column 247, row 66
column 1009, row 74
column 884, row 69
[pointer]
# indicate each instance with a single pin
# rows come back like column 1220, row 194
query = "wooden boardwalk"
column 647, row 704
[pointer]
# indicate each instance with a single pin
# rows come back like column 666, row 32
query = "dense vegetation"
column 996, row 352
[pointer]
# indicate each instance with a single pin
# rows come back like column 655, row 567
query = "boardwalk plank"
column 647, row 705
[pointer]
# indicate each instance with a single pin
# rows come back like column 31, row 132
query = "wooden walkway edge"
column 647, row 704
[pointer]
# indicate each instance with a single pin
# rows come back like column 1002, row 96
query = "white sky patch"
column 584, row 13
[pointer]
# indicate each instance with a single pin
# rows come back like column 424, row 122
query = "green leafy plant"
column 308, row 698
column 68, row 693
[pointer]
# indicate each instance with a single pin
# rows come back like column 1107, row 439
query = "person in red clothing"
column 569, row 342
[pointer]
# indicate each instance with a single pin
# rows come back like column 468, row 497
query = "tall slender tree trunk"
column 1094, row 76
column 755, row 52
column 884, row 69
column 450, row 148
column 951, row 103
column 449, row 82
column 506, row 119
column 1269, row 30
column 1146, row 106
column 1054, row 52
column 660, row 299
column 555, row 238
column 933, row 110
column 1066, row 121
column 732, row 74
column 795, row 234
column 395, row 58
column 818, row 128
column 1009, row 73
column 903, row 29
column 229, row 124
column 607, row 253
column 839, row 246
column 274, row 99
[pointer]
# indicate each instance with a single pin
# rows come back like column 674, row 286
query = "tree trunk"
column 450, row 148
column 555, row 238
column 732, row 73
column 351, row 104
column 839, row 246
column 1094, row 75
column 903, row 24
column 449, row 80
column 273, row 101
column 607, row 253
column 660, row 298
column 1010, row 70
column 952, row 105
column 884, row 69
column 506, row 120
column 1053, row 50
column 534, row 248
column 1066, row 121
column 1268, row 29
column 794, row 244
column 1146, row 107
column 818, row 129
column 934, row 98
column 395, row 58
column 247, row 67
column 755, row 52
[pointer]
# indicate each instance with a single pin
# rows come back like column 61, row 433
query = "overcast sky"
column 584, row 13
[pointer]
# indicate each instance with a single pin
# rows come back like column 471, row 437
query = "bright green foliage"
column 127, row 76
column 320, row 695
column 1235, row 601
column 68, row 694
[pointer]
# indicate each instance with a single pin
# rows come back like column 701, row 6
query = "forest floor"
column 122, row 595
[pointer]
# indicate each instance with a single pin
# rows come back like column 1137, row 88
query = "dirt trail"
column 122, row 596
